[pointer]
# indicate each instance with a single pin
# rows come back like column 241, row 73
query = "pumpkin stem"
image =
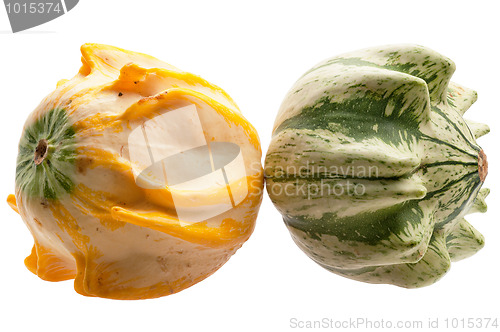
column 482, row 165
column 41, row 151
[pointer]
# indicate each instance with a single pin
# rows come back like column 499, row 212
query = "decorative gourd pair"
column 139, row 180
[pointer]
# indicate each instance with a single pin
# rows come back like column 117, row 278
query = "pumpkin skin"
column 77, row 193
column 373, row 167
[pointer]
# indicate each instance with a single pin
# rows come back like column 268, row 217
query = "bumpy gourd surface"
column 373, row 167
column 77, row 193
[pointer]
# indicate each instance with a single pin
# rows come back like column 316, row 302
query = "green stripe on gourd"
column 388, row 123
column 46, row 156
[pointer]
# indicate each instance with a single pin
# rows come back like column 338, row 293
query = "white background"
column 255, row 51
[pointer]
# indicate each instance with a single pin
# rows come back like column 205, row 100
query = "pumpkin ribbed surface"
column 373, row 166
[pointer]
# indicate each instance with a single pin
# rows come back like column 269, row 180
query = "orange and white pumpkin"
column 89, row 189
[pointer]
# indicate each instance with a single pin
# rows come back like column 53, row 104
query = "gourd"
column 98, row 214
column 373, row 167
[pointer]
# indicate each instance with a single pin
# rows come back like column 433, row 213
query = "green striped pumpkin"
column 373, row 167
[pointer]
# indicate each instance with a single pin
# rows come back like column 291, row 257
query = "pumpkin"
column 135, row 178
column 373, row 167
